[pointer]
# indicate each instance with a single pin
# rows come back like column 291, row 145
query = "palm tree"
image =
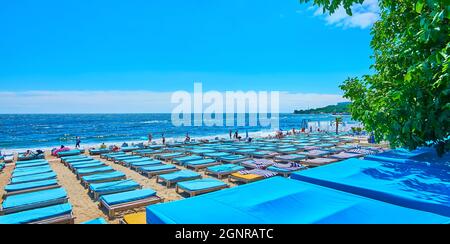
column 338, row 120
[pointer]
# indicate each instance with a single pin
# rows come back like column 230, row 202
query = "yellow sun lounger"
column 134, row 219
column 245, row 178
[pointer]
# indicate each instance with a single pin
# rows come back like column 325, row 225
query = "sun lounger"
column 128, row 200
column 201, row 151
column 289, row 150
column 31, row 171
column 257, row 163
column 14, row 189
column 21, row 157
column 90, row 165
column 223, row 170
column 78, row 160
column 30, row 161
column 134, row 219
column 158, row 170
column 253, row 175
column 175, row 177
column 99, row 151
column 263, row 154
column 31, row 178
column 98, row 221
column 216, row 155
column 110, row 155
column 74, row 158
column 106, row 188
column 316, row 153
column 92, row 171
column 233, row 159
column 57, row 214
column 142, row 152
column 103, row 177
column 285, row 169
column 130, row 149
column 197, row 187
column 68, row 153
column 31, row 165
column 127, row 162
column 121, row 159
column 33, row 200
column 290, row 158
column 319, row 161
column 201, row 164
column 169, row 156
column 345, row 155
column 183, row 160
column 148, row 163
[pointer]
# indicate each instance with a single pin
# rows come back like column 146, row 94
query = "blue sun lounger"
column 31, row 171
column 128, row 200
column 158, row 170
column 98, row 221
column 108, row 156
column 68, row 153
column 413, row 185
column 30, row 178
column 43, row 163
column 283, row 201
column 121, row 159
column 201, row 164
column 21, row 157
column 106, row 188
column 217, row 155
column 92, row 171
column 223, row 170
column 77, row 160
column 233, row 159
column 183, row 175
column 169, row 156
column 103, row 177
column 130, row 149
column 97, row 164
column 197, row 187
column 148, row 163
column 14, row 189
column 90, row 161
column 57, row 214
column 183, row 160
column 129, row 161
column 33, row 200
column 30, row 161
column 99, row 151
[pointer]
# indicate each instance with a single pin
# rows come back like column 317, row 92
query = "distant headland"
column 340, row 108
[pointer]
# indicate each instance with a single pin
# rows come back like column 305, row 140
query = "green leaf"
column 419, row 6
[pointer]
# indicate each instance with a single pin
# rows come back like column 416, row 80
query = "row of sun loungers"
column 33, row 196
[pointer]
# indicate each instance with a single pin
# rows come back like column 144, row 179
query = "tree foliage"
column 407, row 99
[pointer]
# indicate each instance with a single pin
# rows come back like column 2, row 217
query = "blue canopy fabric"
column 283, row 201
column 30, row 178
column 30, row 185
column 202, row 184
column 129, row 196
column 33, row 198
column 36, row 214
column 414, row 185
column 103, row 176
column 98, row 221
column 114, row 186
column 180, row 175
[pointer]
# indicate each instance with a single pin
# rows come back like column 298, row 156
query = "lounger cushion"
column 36, row 214
column 103, row 176
column 30, row 161
column 30, row 185
column 89, row 165
column 135, row 219
column 203, row 184
column 24, row 179
column 31, row 165
column 114, row 186
column 32, row 172
column 146, row 163
column 94, row 170
column 200, row 162
column 180, row 175
column 225, row 168
column 247, row 176
column 126, row 197
column 158, row 168
column 33, row 198
column 98, row 221
column 90, row 161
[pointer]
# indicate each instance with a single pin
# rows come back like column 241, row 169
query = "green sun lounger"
column 175, row 177
column 57, row 214
column 33, row 200
column 202, row 186
column 128, row 200
column 106, row 188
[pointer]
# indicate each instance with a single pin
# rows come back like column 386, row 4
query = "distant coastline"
column 338, row 109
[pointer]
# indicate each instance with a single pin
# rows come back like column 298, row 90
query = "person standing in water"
column 163, row 139
column 150, row 138
column 78, row 142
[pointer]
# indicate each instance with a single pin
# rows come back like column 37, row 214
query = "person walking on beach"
column 78, row 142
column 150, row 138
column 231, row 134
column 236, row 135
column 163, row 139
column 188, row 138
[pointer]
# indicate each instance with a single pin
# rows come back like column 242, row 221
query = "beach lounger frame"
column 112, row 210
column 93, row 173
column 202, row 166
column 87, row 184
column 33, row 206
column 97, row 195
column 170, row 182
column 160, row 172
column 64, row 219
column 7, row 194
column 196, row 193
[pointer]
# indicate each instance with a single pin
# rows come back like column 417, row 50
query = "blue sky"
column 162, row 46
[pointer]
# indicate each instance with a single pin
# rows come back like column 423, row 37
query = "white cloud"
column 128, row 101
column 364, row 15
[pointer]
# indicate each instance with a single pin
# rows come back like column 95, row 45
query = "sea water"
column 52, row 130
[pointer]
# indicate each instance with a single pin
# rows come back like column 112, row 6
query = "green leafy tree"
column 407, row 99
